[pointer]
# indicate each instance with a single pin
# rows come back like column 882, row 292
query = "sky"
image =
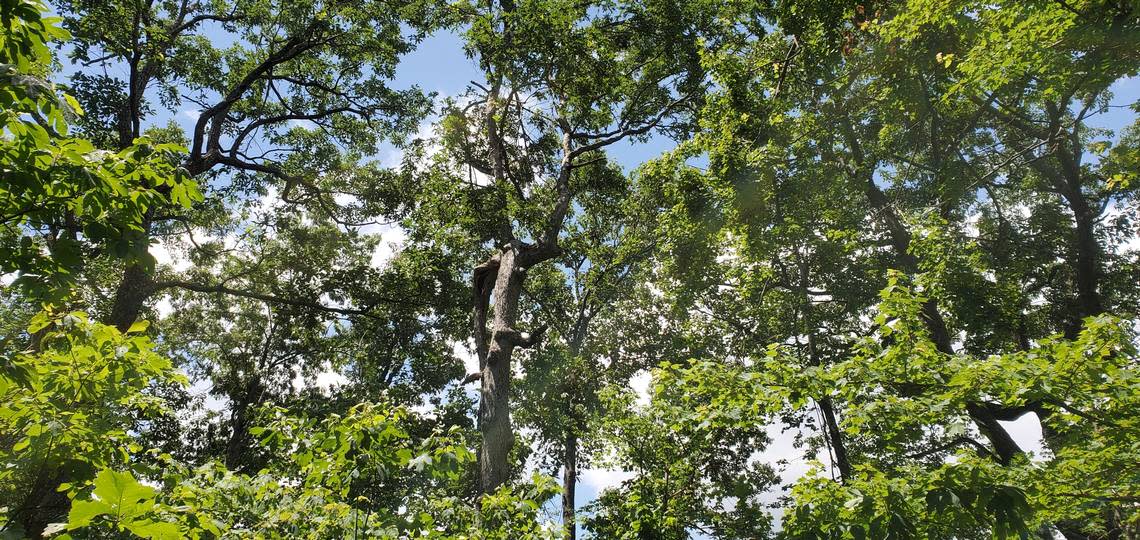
column 440, row 65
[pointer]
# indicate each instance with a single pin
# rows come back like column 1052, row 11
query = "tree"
column 889, row 234
column 563, row 82
column 64, row 201
column 287, row 63
column 70, row 386
column 604, row 250
column 877, row 149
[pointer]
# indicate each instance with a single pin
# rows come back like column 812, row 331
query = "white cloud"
column 328, row 379
column 267, row 203
column 392, row 238
column 163, row 307
column 781, row 453
column 463, row 351
column 325, row 380
column 163, row 255
column 640, row 385
column 210, row 402
column 304, row 124
column 346, row 199
column 597, row 480
column 1026, row 432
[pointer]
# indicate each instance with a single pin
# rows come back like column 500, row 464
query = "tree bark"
column 44, row 504
column 569, row 484
column 237, row 456
column 494, row 403
column 831, row 426
column 131, row 294
column 835, row 437
column 982, row 414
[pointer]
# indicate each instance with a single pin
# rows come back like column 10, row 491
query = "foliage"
column 309, row 489
column 701, row 474
column 64, row 200
column 922, row 471
column 69, row 404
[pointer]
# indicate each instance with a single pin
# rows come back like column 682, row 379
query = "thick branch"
column 219, row 288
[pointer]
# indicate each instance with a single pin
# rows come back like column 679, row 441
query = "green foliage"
column 62, row 199
column 123, row 504
column 922, row 472
column 695, row 471
column 889, row 230
column 309, row 489
column 69, row 404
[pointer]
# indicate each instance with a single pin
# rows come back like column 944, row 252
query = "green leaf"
column 74, row 104
column 126, row 497
column 157, row 530
column 83, row 512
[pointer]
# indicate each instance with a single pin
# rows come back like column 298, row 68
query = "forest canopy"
column 644, row 270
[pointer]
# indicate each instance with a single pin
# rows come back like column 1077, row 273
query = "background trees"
column 888, row 146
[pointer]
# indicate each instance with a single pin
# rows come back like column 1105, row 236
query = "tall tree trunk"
column 1087, row 255
column 569, row 484
column 1066, row 177
column 983, row 415
column 507, row 271
column 44, row 503
column 835, row 438
column 252, row 395
column 1087, row 270
column 494, row 404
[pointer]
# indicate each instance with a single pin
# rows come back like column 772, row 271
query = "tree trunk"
column 835, row 437
column 239, row 434
column 1088, row 253
column 133, row 290
column 44, row 504
column 569, row 484
column 826, row 406
column 237, row 456
column 494, row 403
column 982, row 415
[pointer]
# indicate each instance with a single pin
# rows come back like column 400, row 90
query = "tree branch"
column 223, row 289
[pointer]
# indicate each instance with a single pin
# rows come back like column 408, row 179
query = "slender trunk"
column 835, row 437
column 1087, row 248
column 130, row 296
column 45, row 504
column 569, row 484
column 239, row 434
column 495, row 422
column 1065, row 174
column 826, row 406
column 237, row 456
